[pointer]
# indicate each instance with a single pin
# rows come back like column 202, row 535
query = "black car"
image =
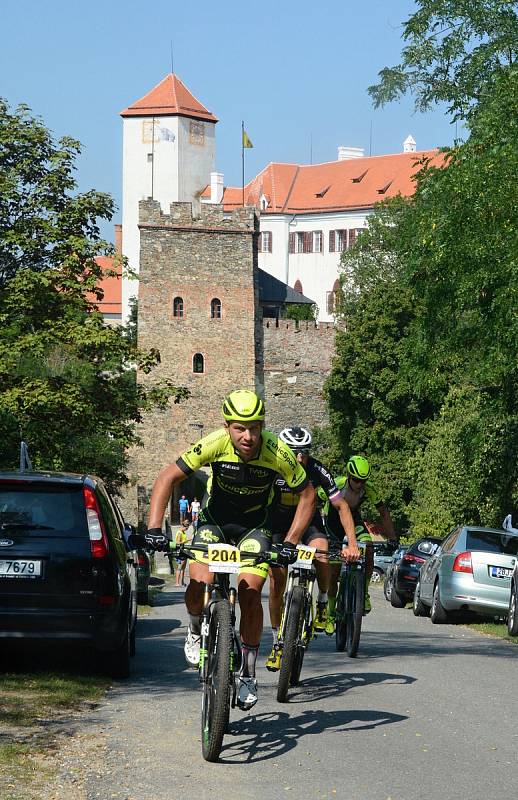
column 400, row 585
column 396, row 558
column 66, row 573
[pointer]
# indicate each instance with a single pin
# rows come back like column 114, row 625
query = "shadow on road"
column 262, row 737
column 321, row 687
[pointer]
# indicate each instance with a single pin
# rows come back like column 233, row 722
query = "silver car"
column 471, row 572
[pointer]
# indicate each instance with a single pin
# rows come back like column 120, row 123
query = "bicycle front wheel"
column 216, row 689
column 342, row 618
column 355, row 603
column 291, row 636
column 302, row 640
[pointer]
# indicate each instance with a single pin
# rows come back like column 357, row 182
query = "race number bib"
column 224, row 558
column 305, row 556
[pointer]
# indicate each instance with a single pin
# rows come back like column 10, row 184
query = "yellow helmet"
column 243, row 406
column 358, row 467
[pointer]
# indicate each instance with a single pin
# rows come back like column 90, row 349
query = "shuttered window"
column 265, row 242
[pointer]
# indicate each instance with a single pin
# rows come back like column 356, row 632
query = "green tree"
column 67, row 381
column 453, row 47
column 300, row 311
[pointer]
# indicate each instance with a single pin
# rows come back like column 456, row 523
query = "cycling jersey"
column 282, row 510
column 354, row 500
column 242, row 490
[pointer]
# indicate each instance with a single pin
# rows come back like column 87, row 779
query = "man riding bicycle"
column 282, row 513
column 245, row 461
column 355, row 487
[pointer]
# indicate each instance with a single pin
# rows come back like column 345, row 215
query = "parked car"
column 391, row 566
column 512, row 615
column 66, row 574
column 471, row 572
column 143, row 564
column 405, row 574
column 383, row 554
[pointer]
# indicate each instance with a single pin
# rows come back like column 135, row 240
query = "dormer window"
column 178, row 307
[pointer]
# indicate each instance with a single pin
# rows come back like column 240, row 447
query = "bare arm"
column 350, row 552
column 386, row 519
column 162, row 490
column 303, row 515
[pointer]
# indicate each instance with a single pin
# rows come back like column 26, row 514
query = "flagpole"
column 243, row 158
column 152, row 159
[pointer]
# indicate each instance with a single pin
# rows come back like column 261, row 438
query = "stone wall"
column 296, row 361
column 197, row 258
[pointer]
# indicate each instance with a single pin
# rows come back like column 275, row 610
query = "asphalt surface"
column 424, row 711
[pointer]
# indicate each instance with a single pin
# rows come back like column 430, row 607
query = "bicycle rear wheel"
column 355, row 604
column 216, row 689
column 291, row 636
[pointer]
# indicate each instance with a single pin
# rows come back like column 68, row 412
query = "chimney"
column 216, row 187
column 409, row 145
column 118, row 239
column 346, row 153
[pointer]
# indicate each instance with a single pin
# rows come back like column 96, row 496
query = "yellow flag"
column 246, row 140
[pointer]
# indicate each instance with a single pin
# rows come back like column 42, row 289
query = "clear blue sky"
column 296, row 72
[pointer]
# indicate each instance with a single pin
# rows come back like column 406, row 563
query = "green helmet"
column 358, row 467
column 243, row 406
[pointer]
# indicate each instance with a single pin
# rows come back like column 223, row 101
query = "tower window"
column 215, row 308
column 198, row 363
column 297, row 286
column 178, row 307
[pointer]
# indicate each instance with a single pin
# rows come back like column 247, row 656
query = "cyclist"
column 355, row 487
column 282, row 512
column 245, row 461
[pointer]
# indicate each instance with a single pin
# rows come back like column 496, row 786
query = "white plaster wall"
column 180, row 171
column 317, row 272
column 195, row 161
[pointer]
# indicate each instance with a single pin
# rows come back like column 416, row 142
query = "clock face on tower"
column 197, row 133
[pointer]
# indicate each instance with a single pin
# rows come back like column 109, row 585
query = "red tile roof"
column 169, row 98
column 333, row 186
column 111, row 286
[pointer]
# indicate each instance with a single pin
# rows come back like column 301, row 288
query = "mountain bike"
column 350, row 603
column 296, row 628
column 220, row 648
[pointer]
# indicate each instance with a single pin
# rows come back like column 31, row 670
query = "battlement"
column 210, row 217
column 296, row 326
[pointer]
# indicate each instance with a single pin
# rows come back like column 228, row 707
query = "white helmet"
column 299, row 439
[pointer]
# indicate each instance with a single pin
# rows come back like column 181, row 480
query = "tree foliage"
column 67, row 381
column 425, row 377
column 452, row 48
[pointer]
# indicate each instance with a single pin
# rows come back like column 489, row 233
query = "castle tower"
column 198, row 305
column 168, row 156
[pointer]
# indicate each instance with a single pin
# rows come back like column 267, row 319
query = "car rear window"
column 42, row 510
column 492, row 542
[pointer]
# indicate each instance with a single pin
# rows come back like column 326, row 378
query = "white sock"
column 275, row 634
column 322, row 597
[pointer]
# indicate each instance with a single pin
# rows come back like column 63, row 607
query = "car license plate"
column 500, row 572
column 19, row 568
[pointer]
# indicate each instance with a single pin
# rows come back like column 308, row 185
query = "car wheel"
column 377, row 575
column 118, row 661
column 396, row 600
column 418, row 607
column 143, row 598
column 438, row 613
column 512, row 618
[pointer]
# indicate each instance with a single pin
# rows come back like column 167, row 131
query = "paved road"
column 424, row 712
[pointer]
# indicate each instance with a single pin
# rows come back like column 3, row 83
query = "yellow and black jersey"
column 238, row 487
column 354, row 500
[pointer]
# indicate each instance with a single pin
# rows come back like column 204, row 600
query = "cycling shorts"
column 311, row 534
column 248, row 540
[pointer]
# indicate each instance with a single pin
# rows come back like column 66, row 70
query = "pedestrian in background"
column 181, row 560
column 183, row 505
column 195, row 513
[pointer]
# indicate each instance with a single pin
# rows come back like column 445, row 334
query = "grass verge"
column 498, row 629
column 31, row 707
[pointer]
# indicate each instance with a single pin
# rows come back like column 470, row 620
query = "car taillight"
column 141, row 560
column 463, row 563
column 413, row 559
column 96, row 532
